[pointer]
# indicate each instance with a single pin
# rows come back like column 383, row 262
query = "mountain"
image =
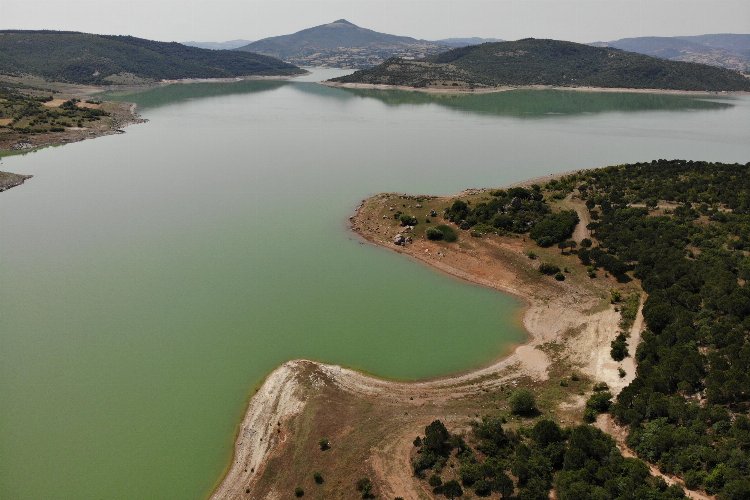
column 730, row 51
column 547, row 62
column 106, row 59
column 342, row 44
column 228, row 45
column 465, row 42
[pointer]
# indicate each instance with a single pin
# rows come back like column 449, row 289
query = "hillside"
column 548, row 62
column 724, row 50
column 107, row 59
column 465, row 42
column 228, row 45
column 342, row 44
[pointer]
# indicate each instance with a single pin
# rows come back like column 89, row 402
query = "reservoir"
column 149, row 281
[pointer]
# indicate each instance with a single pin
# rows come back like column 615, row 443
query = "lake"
column 149, row 281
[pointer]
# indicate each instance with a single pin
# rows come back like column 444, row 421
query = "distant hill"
column 228, row 45
column 730, row 51
column 342, row 44
column 105, row 59
column 547, row 62
column 465, row 42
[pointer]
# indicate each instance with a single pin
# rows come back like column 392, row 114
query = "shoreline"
column 507, row 88
column 123, row 114
column 546, row 315
column 10, row 180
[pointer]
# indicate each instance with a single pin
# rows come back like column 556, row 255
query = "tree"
column 436, row 438
column 522, row 402
column 318, row 477
column 452, row 489
column 299, row 492
column 546, row 432
column 324, row 444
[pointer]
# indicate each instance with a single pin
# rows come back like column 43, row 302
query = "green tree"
column 522, row 402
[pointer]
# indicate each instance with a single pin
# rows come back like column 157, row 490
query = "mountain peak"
column 343, row 21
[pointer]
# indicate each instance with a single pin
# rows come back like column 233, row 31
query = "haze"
column 218, row 20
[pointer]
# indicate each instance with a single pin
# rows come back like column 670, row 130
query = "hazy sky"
column 219, row 20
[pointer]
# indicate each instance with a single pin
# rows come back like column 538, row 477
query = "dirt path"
column 605, row 423
column 581, row 231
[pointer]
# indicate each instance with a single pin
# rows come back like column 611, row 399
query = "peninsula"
column 600, row 258
column 538, row 63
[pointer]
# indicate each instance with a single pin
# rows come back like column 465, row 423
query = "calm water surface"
column 149, row 281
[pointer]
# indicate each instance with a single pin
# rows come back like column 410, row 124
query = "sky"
column 220, row 20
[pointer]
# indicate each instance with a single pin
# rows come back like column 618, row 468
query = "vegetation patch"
column 579, row 462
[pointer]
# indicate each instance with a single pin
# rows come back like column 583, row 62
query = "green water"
column 148, row 281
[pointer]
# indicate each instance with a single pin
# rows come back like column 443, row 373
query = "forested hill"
column 683, row 229
column 101, row 59
column 548, row 62
column 342, row 44
column 726, row 50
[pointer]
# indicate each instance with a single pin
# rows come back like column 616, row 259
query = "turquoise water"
column 148, row 281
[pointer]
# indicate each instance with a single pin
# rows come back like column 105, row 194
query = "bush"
column 560, row 277
column 324, row 444
column 408, row 220
column 299, row 492
column 449, row 234
column 548, row 269
column 364, row 486
column 522, row 402
column 599, row 402
column 434, row 234
column 619, row 350
column 435, row 481
column 318, row 477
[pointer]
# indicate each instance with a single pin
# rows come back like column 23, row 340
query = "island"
column 637, row 307
column 536, row 63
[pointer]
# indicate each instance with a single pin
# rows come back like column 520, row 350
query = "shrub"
column 599, row 402
column 522, row 402
column 548, row 269
column 324, row 444
column 435, row 481
column 434, row 234
column 318, row 477
column 619, row 347
column 449, row 234
column 408, row 220
column 364, row 486
column 299, row 492
column 560, row 277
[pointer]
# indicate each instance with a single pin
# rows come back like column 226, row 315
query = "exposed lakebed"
column 149, row 281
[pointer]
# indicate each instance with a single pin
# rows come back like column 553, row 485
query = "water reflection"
column 534, row 103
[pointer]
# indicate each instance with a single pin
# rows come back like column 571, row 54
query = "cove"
column 149, row 281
